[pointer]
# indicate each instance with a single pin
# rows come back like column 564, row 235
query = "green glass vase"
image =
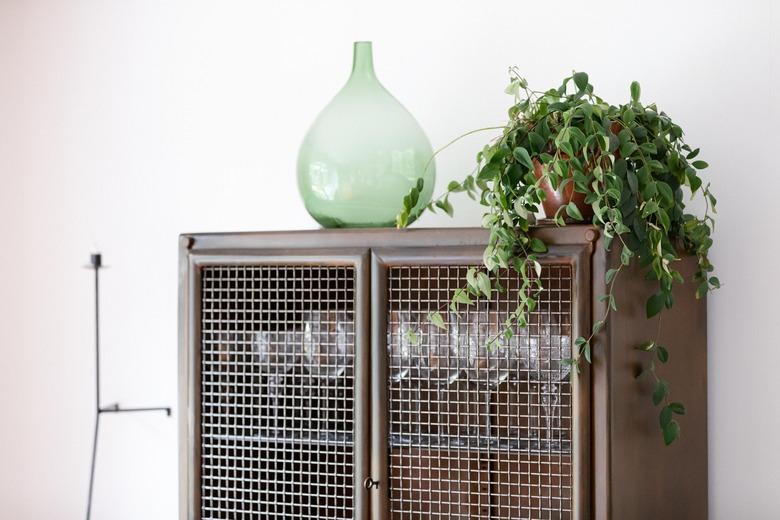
column 363, row 154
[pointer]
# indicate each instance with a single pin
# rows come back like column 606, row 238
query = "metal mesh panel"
column 277, row 351
column 478, row 433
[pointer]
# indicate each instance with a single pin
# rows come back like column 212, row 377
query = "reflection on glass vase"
column 363, row 154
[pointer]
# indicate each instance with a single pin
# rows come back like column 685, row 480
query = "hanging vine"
column 634, row 169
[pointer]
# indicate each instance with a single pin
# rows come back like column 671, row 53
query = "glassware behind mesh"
column 438, row 355
column 234, row 352
column 328, row 344
column 404, row 338
column 549, row 348
column 488, row 355
column 277, row 351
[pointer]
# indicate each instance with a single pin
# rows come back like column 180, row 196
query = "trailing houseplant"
column 625, row 168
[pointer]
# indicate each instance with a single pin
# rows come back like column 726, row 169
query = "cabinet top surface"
column 375, row 238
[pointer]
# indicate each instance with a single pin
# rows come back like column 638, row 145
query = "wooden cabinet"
column 313, row 386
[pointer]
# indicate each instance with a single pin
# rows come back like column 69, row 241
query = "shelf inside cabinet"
column 482, row 444
column 334, row 439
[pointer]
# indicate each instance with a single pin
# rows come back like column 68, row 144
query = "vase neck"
column 363, row 60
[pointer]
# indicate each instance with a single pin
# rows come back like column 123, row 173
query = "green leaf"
column 436, row 319
column 537, row 142
column 677, row 408
column 610, row 276
column 581, row 80
column 454, row 186
column 647, row 346
column 537, row 246
column 520, row 210
column 586, row 352
column 664, row 219
column 636, row 90
column 446, row 206
column 671, row 432
column 654, row 304
column 483, row 281
column 488, row 172
column 471, row 278
column 567, row 149
column 699, row 165
column 573, row 211
column 402, row 219
column 663, row 354
column 665, row 416
column 461, row 297
column 521, row 154
column 661, row 389
column 633, row 182
column 625, row 256
column 628, row 116
column 649, row 208
column 666, row 194
column 648, row 148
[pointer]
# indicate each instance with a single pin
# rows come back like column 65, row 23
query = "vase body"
column 555, row 199
column 363, row 154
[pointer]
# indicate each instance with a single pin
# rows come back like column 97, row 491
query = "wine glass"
column 328, row 344
column 403, row 341
column 437, row 356
column 551, row 348
column 488, row 355
column 233, row 353
column 439, row 366
column 276, row 353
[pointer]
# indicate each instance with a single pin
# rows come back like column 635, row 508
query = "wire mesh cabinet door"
column 472, row 423
column 276, row 378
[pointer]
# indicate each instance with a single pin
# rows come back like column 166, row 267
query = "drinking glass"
column 437, row 356
column 549, row 350
column 489, row 357
column 276, row 354
column 403, row 342
column 439, row 366
column 276, row 351
column 328, row 344
column 233, row 355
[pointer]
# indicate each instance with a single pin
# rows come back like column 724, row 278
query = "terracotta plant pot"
column 556, row 199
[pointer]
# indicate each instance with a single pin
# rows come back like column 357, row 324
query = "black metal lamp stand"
column 96, row 264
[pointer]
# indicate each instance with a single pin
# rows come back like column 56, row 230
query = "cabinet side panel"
column 648, row 479
column 187, row 460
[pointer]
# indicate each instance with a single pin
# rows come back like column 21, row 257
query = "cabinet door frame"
column 191, row 264
column 578, row 256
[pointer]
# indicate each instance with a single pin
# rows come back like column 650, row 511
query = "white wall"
column 124, row 123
